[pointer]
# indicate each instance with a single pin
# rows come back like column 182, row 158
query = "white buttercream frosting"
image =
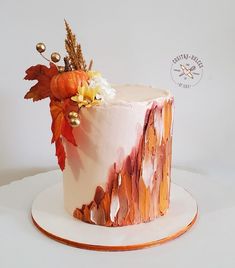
column 104, row 130
column 139, row 93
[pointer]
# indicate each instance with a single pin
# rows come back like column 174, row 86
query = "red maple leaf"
column 60, row 153
column 60, row 128
column 43, row 74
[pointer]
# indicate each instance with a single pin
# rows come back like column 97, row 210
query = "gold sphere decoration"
column 73, row 115
column 74, row 122
column 55, row 57
column 61, row 69
column 41, row 47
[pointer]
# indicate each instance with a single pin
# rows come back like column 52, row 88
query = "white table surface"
column 210, row 243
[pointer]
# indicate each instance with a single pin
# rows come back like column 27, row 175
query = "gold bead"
column 61, row 69
column 74, row 122
column 73, row 115
column 40, row 47
column 55, row 57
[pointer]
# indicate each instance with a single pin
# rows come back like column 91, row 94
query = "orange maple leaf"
column 60, row 128
column 60, row 153
column 43, row 74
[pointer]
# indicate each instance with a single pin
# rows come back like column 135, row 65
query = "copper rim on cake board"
column 117, row 248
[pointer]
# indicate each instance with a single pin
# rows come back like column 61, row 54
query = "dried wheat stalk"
column 74, row 50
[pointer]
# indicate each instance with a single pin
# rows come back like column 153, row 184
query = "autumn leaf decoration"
column 60, row 108
column 43, row 74
column 60, row 128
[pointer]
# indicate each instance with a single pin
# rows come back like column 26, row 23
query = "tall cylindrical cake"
column 119, row 174
column 113, row 144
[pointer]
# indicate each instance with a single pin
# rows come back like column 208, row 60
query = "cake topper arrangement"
column 70, row 88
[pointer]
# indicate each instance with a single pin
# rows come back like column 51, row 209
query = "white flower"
column 106, row 92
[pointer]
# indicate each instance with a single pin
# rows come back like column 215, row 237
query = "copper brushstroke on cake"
column 139, row 191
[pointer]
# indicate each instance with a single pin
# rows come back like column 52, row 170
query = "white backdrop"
column 131, row 42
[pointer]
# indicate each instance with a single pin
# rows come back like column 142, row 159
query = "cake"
column 113, row 143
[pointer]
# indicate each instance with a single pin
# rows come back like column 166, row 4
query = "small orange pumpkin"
column 65, row 85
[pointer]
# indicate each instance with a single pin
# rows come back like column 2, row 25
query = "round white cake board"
column 50, row 217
